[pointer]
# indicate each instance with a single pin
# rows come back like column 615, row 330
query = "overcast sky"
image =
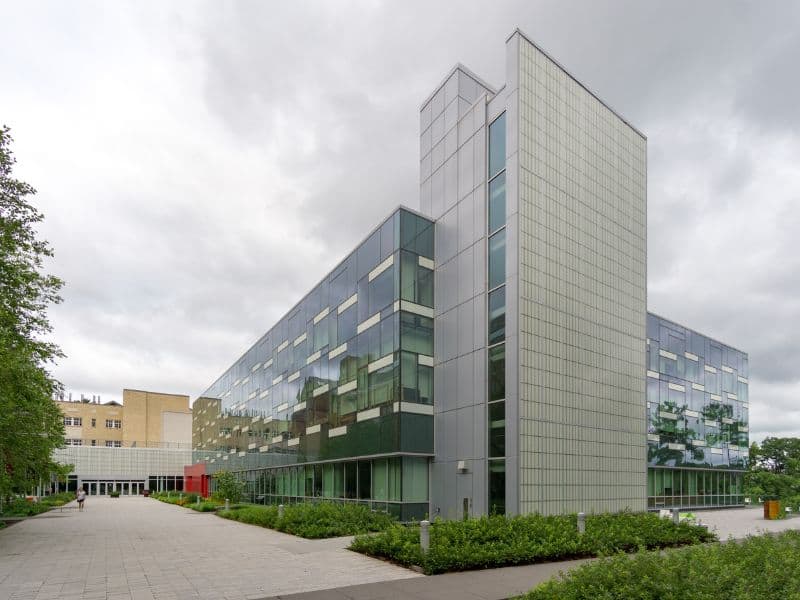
column 202, row 165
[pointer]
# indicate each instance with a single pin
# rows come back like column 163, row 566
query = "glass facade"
column 697, row 418
column 347, row 374
column 496, row 334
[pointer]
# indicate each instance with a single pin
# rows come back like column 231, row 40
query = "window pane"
column 497, row 315
column 497, row 145
column 497, row 373
column 497, row 487
column 497, row 202
column 415, row 479
column 381, row 291
column 350, row 478
column 497, row 429
column 497, row 259
column 364, row 479
column 416, row 333
column 395, row 478
column 379, row 483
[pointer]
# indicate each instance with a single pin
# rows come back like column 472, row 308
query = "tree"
column 228, row 487
column 31, row 425
column 778, row 455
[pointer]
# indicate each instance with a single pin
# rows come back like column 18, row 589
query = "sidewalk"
column 490, row 584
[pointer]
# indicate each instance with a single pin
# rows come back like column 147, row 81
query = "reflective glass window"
column 379, row 479
column 497, row 429
column 364, row 479
column 497, row 372
column 416, row 333
column 415, row 479
column 381, row 291
column 497, row 315
column 497, row 487
column 395, row 478
column 497, row 202
column 347, row 324
column 497, row 145
column 497, row 259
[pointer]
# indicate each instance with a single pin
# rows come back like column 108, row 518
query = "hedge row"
column 498, row 541
column 760, row 568
column 313, row 520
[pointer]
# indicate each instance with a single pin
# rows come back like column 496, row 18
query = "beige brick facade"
column 144, row 419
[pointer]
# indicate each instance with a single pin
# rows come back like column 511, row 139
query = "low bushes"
column 207, row 506
column 313, row 520
column 178, row 498
column 498, row 541
column 21, row 507
column 759, row 568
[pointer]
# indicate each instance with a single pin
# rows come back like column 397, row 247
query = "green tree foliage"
column 228, row 487
column 31, row 425
column 777, row 455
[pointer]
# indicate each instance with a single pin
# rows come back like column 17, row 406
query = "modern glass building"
column 520, row 385
column 697, row 418
column 336, row 400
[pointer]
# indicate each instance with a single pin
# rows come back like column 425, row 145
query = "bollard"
column 227, row 504
column 280, row 511
column 198, row 499
column 180, row 496
column 676, row 516
column 424, row 536
column 581, row 523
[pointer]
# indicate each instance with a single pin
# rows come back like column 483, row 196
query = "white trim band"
column 426, row 263
column 373, row 320
column 380, row 363
column 347, row 304
column 415, row 308
column 337, row 351
column 381, row 268
column 424, row 360
column 366, row 415
column 337, row 431
column 347, row 387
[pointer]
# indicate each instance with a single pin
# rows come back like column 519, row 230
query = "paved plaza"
column 137, row 548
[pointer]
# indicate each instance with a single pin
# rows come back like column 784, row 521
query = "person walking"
column 81, row 496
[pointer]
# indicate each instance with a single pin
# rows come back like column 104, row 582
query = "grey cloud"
column 200, row 170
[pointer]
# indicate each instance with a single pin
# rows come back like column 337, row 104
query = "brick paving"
column 140, row 549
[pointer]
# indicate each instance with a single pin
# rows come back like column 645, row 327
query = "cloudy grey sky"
column 202, row 164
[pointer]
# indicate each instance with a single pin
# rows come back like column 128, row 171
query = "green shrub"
column 228, row 487
column 759, row 568
column 497, row 541
column 313, row 520
column 203, row 506
column 57, row 499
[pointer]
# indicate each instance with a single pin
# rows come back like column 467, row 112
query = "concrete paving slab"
column 140, row 549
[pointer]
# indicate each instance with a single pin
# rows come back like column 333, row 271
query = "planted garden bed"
column 759, row 568
column 313, row 520
column 499, row 541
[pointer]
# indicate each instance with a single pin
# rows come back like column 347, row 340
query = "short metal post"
column 198, row 499
column 676, row 516
column 180, row 496
column 280, row 511
column 227, row 504
column 581, row 523
column 424, row 536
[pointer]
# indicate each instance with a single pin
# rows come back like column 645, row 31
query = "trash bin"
column 771, row 508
